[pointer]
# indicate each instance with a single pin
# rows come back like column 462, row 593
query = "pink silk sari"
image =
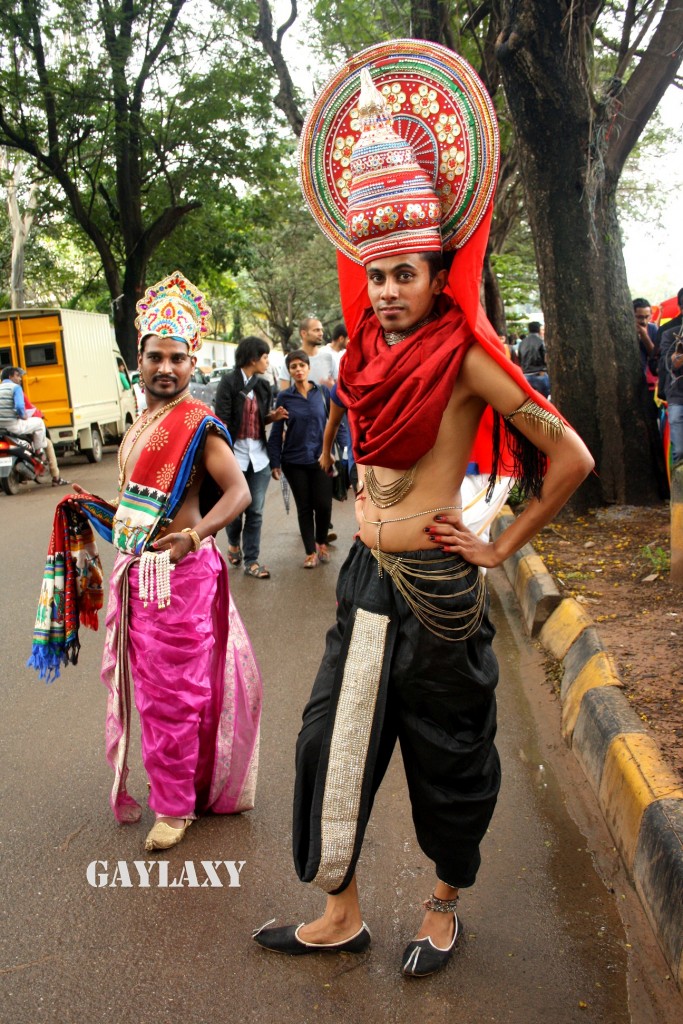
column 227, row 758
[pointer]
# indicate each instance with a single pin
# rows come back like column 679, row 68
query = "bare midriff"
column 402, row 527
column 438, row 477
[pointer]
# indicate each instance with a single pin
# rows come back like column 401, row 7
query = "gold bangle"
column 194, row 537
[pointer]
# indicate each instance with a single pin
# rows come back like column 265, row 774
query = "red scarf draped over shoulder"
column 396, row 395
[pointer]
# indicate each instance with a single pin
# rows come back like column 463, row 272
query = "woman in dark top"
column 294, row 447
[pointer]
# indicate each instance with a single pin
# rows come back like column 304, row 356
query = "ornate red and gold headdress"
column 413, row 150
column 174, row 308
column 373, row 165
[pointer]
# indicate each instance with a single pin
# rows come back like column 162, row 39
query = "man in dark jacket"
column 243, row 402
column 671, row 387
column 677, row 321
column 532, row 359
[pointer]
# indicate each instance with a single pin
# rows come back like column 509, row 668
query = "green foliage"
column 142, row 114
column 656, row 557
column 652, row 175
column 290, row 270
column 517, row 276
column 340, row 28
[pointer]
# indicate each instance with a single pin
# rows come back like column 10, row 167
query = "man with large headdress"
column 172, row 628
column 398, row 165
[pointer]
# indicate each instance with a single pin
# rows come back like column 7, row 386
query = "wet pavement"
column 551, row 931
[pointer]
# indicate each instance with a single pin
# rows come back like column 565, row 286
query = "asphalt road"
column 551, row 932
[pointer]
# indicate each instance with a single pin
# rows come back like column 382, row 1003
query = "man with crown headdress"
column 173, row 633
column 410, row 654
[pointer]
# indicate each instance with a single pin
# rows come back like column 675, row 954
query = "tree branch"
column 655, row 72
column 285, row 98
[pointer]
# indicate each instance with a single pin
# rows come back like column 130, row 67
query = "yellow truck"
column 73, row 375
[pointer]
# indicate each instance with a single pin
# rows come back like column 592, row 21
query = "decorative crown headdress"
column 174, row 308
column 430, row 138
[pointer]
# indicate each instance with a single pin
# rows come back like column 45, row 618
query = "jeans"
column 312, row 492
column 541, row 382
column 252, row 516
column 675, row 414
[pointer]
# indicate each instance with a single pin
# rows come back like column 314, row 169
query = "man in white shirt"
column 337, row 346
column 322, row 362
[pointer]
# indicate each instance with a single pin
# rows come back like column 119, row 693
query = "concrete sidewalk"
column 640, row 797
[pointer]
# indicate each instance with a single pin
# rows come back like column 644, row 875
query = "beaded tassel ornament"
column 155, row 578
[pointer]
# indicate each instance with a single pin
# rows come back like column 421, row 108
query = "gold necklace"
column 394, row 337
column 386, row 495
column 122, row 463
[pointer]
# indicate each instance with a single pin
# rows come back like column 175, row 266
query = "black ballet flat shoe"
column 421, row 957
column 286, row 940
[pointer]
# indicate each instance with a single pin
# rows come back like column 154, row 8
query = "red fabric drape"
column 386, row 389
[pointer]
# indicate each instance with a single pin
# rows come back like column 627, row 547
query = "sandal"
column 234, row 556
column 311, row 561
column 323, row 553
column 259, row 572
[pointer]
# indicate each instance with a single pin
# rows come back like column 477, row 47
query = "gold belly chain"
column 406, row 575
column 379, row 523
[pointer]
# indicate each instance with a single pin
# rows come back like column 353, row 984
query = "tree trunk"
column 429, row 19
column 493, row 299
column 123, row 307
column 123, row 312
column 20, row 226
column 593, row 354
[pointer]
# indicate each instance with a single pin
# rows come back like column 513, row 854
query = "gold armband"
column 531, row 411
column 194, row 537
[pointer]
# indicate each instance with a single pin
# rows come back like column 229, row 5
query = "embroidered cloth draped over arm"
column 71, row 592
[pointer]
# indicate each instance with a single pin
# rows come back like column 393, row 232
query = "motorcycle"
column 19, row 463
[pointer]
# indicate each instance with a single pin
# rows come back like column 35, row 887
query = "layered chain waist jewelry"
column 407, row 574
column 379, row 523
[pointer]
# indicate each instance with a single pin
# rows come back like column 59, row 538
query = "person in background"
column 323, row 365
column 674, row 322
column 243, row 403
column 647, row 341
column 337, row 346
column 123, row 375
column 13, row 415
column 532, row 359
column 15, row 375
column 296, row 453
column 671, row 387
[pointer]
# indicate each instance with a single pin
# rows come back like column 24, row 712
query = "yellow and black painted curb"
column 640, row 797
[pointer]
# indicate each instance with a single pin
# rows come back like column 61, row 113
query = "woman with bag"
column 294, row 448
